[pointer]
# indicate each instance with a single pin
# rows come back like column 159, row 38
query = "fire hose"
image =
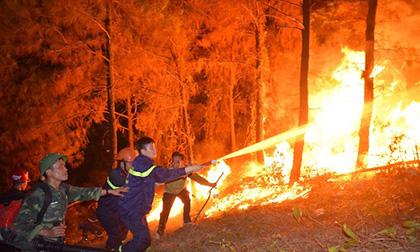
column 208, row 198
column 42, row 245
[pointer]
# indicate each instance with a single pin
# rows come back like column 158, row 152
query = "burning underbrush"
column 379, row 212
column 263, row 189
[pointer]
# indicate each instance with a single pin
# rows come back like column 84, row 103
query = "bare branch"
column 122, row 127
column 295, row 27
column 284, row 14
column 121, row 115
column 96, row 21
column 288, row 2
column 251, row 14
column 61, row 34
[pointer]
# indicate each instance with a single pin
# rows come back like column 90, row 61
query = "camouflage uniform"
column 24, row 224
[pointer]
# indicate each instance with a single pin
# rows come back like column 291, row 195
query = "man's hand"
column 57, row 231
column 119, row 191
column 193, row 168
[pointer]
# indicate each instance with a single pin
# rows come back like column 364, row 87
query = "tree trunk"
column 130, row 123
column 109, row 85
column 187, row 124
column 303, row 92
column 184, row 105
column 232, row 102
column 368, row 87
column 260, row 35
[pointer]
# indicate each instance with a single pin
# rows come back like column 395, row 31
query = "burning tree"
column 368, row 86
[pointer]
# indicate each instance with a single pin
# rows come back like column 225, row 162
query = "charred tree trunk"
column 258, row 107
column 130, row 123
column 368, row 87
column 109, row 85
column 231, row 109
column 259, row 82
column 232, row 102
column 303, row 92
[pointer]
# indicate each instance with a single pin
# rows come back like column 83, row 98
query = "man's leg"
column 109, row 220
column 184, row 195
column 141, row 236
column 123, row 229
column 168, row 200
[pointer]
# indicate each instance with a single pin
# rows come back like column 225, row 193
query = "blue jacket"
column 115, row 179
column 141, row 180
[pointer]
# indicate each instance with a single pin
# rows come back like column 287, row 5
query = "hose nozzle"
column 211, row 162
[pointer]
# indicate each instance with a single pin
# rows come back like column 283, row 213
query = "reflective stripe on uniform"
column 108, row 181
column 142, row 174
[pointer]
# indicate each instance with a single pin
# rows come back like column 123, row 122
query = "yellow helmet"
column 127, row 154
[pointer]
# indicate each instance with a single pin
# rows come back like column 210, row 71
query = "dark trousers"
column 140, row 230
column 168, row 201
column 113, row 225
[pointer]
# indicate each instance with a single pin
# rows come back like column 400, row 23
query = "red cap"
column 20, row 175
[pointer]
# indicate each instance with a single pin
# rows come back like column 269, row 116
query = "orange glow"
column 331, row 139
column 331, row 143
column 200, row 192
column 268, row 142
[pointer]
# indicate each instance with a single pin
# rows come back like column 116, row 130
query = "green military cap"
column 49, row 160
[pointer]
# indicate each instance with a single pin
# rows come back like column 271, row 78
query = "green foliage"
column 411, row 227
column 297, row 213
column 411, row 224
column 390, row 232
column 337, row 249
column 348, row 244
column 227, row 246
column 275, row 247
column 349, row 233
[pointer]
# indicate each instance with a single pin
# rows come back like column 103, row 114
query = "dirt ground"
column 381, row 213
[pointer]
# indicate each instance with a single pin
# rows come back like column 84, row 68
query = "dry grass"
column 366, row 205
column 374, row 209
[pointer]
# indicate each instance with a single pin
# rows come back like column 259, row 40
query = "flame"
column 213, row 174
column 331, row 143
column 331, row 138
column 199, row 192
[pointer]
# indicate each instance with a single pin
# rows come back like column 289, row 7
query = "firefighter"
column 137, row 202
column 178, row 189
column 107, row 211
column 29, row 226
column 20, row 179
column 11, row 201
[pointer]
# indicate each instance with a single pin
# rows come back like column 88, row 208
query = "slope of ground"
column 361, row 214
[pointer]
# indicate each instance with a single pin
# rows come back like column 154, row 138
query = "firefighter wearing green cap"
column 51, row 227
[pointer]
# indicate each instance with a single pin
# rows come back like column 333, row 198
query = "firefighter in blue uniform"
column 107, row 211
column 137, row 202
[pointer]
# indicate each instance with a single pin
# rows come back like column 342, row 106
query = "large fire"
column 331, row 140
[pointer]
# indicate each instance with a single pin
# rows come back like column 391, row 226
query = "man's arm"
column 163, row 175
column 92, row 193
column 76, row 193
column 201, row 180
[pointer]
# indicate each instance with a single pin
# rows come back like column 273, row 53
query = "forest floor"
column 376, row 213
